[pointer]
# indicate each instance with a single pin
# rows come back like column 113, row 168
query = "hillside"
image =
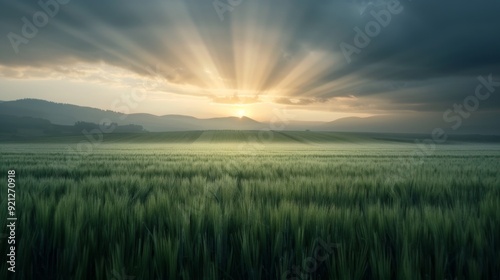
column 66, row 114
column 29, row 129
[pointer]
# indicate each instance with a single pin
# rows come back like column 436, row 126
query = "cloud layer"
column 423, row 56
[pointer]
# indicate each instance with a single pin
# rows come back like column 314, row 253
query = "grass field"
column 200, row 205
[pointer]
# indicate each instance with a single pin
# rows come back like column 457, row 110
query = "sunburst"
column 241, row 113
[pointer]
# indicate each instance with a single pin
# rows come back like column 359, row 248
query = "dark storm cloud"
column 436, row 49
column 74, row 32
column 434, row 39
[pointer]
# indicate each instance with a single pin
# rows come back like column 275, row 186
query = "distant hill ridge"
column 29, row 126
column 68, row 114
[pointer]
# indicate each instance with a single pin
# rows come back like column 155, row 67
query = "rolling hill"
column 66, row 114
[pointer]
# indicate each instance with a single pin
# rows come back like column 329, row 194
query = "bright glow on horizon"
column 241, row 113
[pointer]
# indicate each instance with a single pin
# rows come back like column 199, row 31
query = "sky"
column 320, row 60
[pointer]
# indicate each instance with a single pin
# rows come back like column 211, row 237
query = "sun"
column 241, row 113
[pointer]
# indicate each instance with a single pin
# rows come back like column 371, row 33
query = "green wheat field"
column 212, row 205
